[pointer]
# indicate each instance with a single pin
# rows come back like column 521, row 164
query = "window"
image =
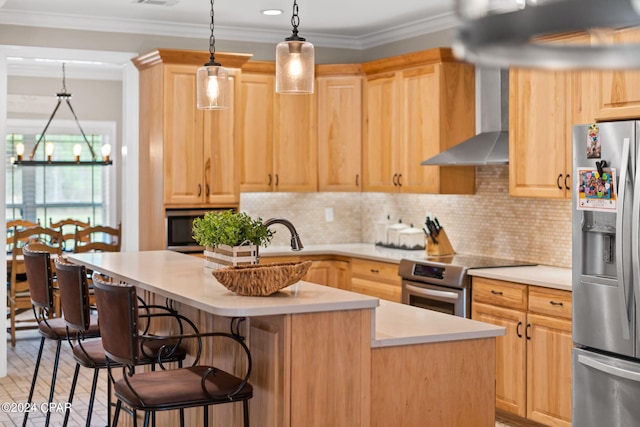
column 52, row 193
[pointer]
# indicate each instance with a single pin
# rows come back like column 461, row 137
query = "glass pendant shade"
column 294, row 67
column 212, row 88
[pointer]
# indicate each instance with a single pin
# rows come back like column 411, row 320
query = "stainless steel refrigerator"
column 606, row 275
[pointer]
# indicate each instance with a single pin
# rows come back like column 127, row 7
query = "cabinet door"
column 510, row 356
column 380, row 167
column 549, row 370
column 420, row 125
column 537, row 133
column 220, row 178
column 620, row 90
column 332, row 273
column 255, row 114
column 183, row 138
column 295, row 158
column 339, row 133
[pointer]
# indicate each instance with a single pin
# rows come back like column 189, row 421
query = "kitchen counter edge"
column 538, row 275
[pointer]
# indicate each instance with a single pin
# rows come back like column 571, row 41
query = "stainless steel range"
column 442, row 283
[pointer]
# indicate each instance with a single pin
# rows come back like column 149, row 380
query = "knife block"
column 443, row 247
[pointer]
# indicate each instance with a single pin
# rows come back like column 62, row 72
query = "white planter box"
column 225, row 256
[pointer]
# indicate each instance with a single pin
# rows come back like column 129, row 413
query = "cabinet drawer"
column 497, row 292
column 382, row 290
column 552, row 302
column 374, row 270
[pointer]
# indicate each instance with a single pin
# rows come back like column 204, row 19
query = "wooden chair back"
column 68, row 228
column 98, row 238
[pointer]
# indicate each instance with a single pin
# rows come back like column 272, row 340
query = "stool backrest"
column 39, row 275
column 74, row 294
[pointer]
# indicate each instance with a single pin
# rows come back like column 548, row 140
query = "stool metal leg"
column 53, row 380
column 33, row 380
column 73, row 389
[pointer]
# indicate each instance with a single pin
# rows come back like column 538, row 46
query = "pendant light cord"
column 295, row 22
column 212, row 42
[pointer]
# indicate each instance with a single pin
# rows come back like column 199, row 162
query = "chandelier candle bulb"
column 19, row 151
column 106, row 152
column 77, row 150
column 49, row 150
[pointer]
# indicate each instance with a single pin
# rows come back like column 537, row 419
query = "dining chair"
column 40, row 276
column 18, row 299
column 165, row 389
column 88, row 352
column 67, row 228
column 97, row 238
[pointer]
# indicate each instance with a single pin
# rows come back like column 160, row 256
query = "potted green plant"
column 230, row 238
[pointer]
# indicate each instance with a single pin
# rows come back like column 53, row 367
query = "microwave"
column 179, row 228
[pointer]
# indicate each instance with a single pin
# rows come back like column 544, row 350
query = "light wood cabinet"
column 186, row 156
column 325, row 270
column 278, row 141
column 339, row 90
column 543, row 108
column 377, row 279
column 533, row 377
column 416, row 106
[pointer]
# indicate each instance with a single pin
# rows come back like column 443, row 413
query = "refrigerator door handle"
column 622, row 189
column 609, row 369
column 635, row 229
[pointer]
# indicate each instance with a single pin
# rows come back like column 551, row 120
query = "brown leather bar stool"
column 40, row 277
column 166, row 389
column 89, row 353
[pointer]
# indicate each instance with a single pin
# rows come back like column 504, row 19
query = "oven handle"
column 443, row 295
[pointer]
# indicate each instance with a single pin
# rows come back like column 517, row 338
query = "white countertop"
column 356, row 250
column 539, row 275
column 184, row 279
column 399, row 324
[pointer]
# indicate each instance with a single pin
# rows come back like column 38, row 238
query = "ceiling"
column 356, row 24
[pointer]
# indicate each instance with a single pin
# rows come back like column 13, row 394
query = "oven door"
column 453, row 301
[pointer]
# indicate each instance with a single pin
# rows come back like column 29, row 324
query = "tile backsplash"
column 489, row 222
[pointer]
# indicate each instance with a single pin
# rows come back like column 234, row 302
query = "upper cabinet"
column 193, row 149
column 618, row 92
column 416, row 106
column 277, row 134
column 186, row 156
column 339, row 89
column 539, row 153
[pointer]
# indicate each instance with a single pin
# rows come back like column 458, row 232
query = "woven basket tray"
column 261, row 280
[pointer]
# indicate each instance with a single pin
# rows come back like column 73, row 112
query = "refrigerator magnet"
column 596, row 190
column 593, row 142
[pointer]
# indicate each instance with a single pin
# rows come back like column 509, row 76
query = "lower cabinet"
column 328, row 271
column 533, row 359
column 377, row 279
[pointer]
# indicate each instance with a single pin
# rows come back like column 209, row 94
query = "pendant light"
column 212, row 79
column 294, row 61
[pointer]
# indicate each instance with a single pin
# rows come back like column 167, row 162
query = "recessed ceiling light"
column 272, row 12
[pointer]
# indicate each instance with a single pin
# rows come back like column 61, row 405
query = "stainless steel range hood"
column 491, row 145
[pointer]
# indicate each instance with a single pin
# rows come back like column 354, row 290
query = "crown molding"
column 173, row 29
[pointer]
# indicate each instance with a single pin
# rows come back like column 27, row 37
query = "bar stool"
column 37, row 261
column 193, row 386
column 89, row 353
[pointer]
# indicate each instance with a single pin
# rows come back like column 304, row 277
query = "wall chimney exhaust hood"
column 491, row 145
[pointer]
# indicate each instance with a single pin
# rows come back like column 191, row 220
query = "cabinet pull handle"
column 206, row 186
column 199, row 190
column 270, row 180
column 277, row 180
column 357, row 179
column 565, row 182
column 374, row 270
column 496, row 292
column 558, row 182
column 527, row 331
column 395, row 176
column 399, row 182
column 556, row 303
column 518, row 333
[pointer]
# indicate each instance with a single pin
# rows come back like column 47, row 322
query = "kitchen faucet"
column 296, row 243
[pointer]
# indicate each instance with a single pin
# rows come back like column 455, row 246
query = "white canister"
column 411, row 238
column 393, row 233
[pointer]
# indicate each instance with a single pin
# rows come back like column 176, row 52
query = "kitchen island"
column 324, row 356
